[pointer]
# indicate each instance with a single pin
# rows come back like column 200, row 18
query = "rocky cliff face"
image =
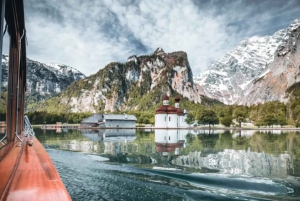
column 44, row 80
column 138, row 83
column 281, row 79
column 237, row 77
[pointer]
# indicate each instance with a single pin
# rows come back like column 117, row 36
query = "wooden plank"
column 7, row 167
column 35, row 177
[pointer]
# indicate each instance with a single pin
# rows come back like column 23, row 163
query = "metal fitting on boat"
column 30, row 142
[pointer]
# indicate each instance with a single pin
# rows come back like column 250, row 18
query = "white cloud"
column 88, row 35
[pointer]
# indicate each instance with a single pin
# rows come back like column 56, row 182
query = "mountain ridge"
column 43, row 80
column 228, row 78
column 139, row 83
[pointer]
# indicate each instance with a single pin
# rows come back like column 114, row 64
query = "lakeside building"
column 168, row 116
column 109, row 120
column 92, row 121
column 119, row 120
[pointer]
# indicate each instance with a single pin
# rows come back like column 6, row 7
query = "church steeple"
column 165, row 99
column 177, row 100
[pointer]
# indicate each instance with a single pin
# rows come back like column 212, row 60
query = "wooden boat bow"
column 26, row 172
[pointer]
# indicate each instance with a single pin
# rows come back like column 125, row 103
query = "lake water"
column 176, row 164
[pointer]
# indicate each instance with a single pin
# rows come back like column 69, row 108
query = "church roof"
column 119, row 117
column 167, row 147
column 177, row 99
column 166, row 109
column 165, row 97
column 180, row 112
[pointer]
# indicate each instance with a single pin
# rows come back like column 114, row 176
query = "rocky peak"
column 281, row 79
column 295, row 25
column 291, row 37
column 133, row 85
column 228, row 78
column 132, row 58
column 44, row 80
column 159, row 50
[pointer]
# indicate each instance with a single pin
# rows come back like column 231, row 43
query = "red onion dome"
column 165, row 97
column 166, row 109
column 180, row 112
column 171, row 110
column 162, row 109
column 167, row 147
column 177, row 99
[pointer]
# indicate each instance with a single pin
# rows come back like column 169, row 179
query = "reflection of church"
column 168, row 142
column 168, row 116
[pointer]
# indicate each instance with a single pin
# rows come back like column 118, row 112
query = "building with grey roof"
column 92, row 121
column 119, row 120
column 109, row 120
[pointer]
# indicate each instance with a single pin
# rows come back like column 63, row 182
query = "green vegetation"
column 52, row 118
column 226, row 120
column 189, row 119
column 268, row 114
column 208, row 117
column 240, row 114
column 3, row 106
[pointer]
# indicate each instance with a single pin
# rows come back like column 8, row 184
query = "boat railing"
column 4, row 137
column 28, row 131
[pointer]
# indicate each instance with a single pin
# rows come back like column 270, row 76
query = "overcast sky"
column 89, row 34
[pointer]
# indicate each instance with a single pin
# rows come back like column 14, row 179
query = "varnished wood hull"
column 27, row 173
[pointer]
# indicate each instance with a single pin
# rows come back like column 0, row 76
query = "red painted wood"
column 27, row 173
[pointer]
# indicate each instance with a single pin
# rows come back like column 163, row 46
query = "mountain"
column 248, row 74
column 44, row 80
column 281, row 79
column 138, row 83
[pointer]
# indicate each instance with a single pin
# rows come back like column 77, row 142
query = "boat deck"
column 27, row 173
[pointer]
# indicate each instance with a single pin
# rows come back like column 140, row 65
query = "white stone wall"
column 182, row 122
column 172, row 121
column 161, row 121
column 166, row 136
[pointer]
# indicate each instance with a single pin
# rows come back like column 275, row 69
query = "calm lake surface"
column 176, row 164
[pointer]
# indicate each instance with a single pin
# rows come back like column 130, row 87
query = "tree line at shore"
column 267, row 114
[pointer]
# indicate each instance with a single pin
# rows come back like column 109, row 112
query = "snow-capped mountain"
column 230, row 78
column 44, row 80
column 281, row 79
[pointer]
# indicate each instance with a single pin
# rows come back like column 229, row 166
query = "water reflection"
column 248, row 152
column 239, row 162
column 170, row 141
column 230, row 163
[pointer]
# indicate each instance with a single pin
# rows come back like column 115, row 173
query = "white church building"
column 168, row 116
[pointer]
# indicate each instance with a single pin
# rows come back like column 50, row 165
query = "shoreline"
column 181, row 128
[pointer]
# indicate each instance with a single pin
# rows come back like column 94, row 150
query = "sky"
column 89, row 34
